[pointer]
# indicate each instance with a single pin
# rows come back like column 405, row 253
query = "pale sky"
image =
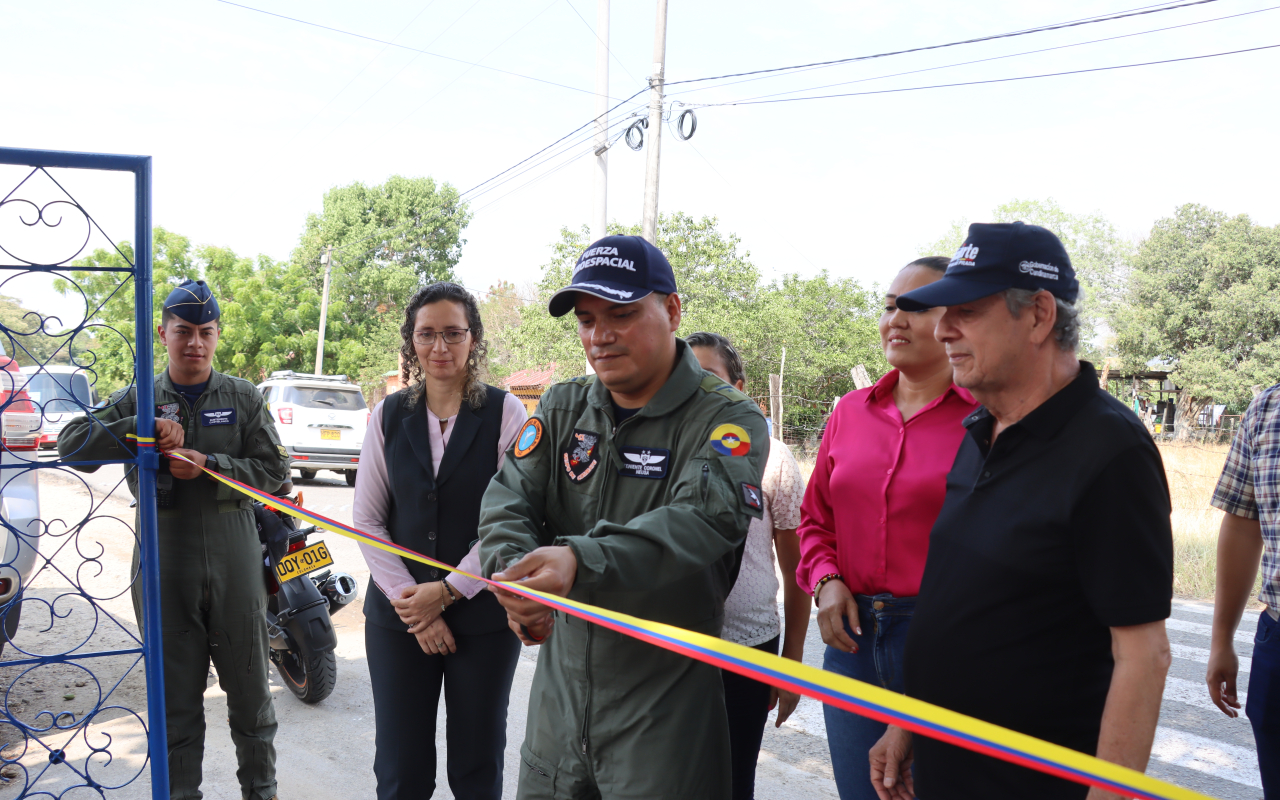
column 251, row 118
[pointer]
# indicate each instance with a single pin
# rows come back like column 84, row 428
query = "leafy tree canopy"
column 1204, row 295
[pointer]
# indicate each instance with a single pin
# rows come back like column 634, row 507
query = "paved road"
column 326, row 751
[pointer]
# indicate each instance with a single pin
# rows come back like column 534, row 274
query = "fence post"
column 775, row 404
column 148, row 462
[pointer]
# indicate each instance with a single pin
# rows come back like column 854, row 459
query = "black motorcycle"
column 304, row 592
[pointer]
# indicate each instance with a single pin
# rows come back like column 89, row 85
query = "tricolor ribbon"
column 861, row 698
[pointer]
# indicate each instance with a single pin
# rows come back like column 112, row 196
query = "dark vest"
column 439, row 515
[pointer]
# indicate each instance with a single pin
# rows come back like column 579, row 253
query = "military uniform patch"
column 169, row 411
column 730, row 440
column 644, row 462
column 751, row 497
column 530, row 437
column 580, row 459
column 283, row 453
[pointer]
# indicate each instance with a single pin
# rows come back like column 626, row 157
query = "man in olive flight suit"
column 212, row 594
column 631, row 490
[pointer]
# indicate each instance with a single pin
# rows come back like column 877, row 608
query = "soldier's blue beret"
column 193, row 302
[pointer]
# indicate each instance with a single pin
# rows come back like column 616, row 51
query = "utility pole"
column 600, row 210
column 649, row 227
column 326, row 258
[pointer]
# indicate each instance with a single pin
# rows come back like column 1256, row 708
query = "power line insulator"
column 693, row 125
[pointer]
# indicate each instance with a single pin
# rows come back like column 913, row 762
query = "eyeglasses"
column 454, row 336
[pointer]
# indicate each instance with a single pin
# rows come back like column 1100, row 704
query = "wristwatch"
column 211, row 462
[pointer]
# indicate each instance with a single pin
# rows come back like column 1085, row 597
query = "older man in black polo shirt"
column 1050, row 566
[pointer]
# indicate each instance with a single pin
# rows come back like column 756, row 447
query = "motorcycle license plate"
column 330, row 433
column 306, row 560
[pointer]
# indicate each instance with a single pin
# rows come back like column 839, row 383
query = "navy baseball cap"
column 998, row 256
column 193, row 302
column 623, row 269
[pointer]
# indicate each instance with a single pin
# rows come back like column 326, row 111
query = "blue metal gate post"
column 148, row 462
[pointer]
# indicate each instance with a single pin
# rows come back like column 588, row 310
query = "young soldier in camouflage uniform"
column 632, row 490
column 212, row 594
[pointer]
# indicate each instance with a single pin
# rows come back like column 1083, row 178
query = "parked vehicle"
column 60, row 393
column 321, row 420
column 304, row 593
column 19, row 493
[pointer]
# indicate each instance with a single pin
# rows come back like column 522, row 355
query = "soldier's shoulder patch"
column 730, row 440
column 530, row 437
column 283, row 453
column 713, row 384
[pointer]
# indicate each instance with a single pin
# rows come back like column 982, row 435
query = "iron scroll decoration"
column 81, row 686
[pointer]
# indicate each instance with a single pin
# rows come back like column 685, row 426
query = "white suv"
column 321, row 420
column 61, row 392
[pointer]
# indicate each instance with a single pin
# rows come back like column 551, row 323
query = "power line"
column 601, row 41
column 325, row 107
column 582, row 137
column 992, row 80
column 468, row 69
column 407, row 64
column 1054, row 27
column 999, row 58
column 1088, row 20
column 411, row 49
column 592, row 121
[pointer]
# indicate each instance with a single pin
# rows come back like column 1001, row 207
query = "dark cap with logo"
column 623, row 269
column 998, row 256
column 193, row 302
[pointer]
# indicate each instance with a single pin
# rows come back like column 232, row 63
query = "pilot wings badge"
column 644, row 462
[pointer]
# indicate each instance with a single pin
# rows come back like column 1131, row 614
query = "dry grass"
column 1193, row 471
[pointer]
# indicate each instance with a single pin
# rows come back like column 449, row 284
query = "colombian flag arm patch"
column 730, row 440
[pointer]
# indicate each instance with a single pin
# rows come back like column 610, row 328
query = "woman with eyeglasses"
column 427, row 458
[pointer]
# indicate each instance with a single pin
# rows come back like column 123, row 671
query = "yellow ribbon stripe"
column 851, row 695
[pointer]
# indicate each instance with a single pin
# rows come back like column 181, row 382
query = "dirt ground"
column 88, row 546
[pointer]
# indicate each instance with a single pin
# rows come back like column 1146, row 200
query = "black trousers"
column 747, row 702
column 406, row 693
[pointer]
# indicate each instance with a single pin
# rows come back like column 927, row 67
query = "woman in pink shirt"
column 876, row 489
column 427, row 458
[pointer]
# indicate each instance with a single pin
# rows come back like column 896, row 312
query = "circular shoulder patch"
column 529, row 438
column 730, row 440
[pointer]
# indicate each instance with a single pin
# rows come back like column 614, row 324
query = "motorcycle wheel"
column 310, row 678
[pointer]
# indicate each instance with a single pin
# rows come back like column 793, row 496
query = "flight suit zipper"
column 600, row 502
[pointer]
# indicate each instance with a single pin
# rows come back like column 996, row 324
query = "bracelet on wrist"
column 453, row 596
column 817, row 588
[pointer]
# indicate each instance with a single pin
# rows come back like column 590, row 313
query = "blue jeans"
column 1263, row 705
column 884, row 620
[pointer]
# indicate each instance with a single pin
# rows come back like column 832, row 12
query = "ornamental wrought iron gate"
column 77, row 668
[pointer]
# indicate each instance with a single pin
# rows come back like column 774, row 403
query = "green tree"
column 388, row 240
column 1098, row 253
column 31, row 338
column 1203, row 294
column 109, row 304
